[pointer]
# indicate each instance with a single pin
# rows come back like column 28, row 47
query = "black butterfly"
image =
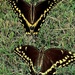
column 45, row 62
column 32, row 15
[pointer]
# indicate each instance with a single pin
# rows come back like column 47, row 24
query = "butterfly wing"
column 29, row 54
column 55, row 57
column 41, row 10
column 28, row 51
column 23, row 9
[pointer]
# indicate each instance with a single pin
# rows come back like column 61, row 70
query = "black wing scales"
column 57, row 58
column 41, row 11
column 23, row 9
column 29, row 54
column 28, row 51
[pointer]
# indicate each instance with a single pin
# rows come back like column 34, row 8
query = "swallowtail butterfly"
column 32, row 15
column 45, row 62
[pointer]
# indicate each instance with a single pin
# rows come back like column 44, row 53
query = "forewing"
column 23, row 9
column 41, row 10
column 28, row 53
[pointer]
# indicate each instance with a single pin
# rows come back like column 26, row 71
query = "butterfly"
column 45, row 62
column 32, row 16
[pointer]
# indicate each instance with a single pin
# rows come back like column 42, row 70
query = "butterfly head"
column 31, row 29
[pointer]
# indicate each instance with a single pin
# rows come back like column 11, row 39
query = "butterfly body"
column 32, row 16
column 45, row 62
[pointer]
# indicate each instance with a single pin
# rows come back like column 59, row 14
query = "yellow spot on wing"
column 17, row 49
column 20, row 47
column 70, row 52
column 60, row 61
column 25, row 48
column 63, row 60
